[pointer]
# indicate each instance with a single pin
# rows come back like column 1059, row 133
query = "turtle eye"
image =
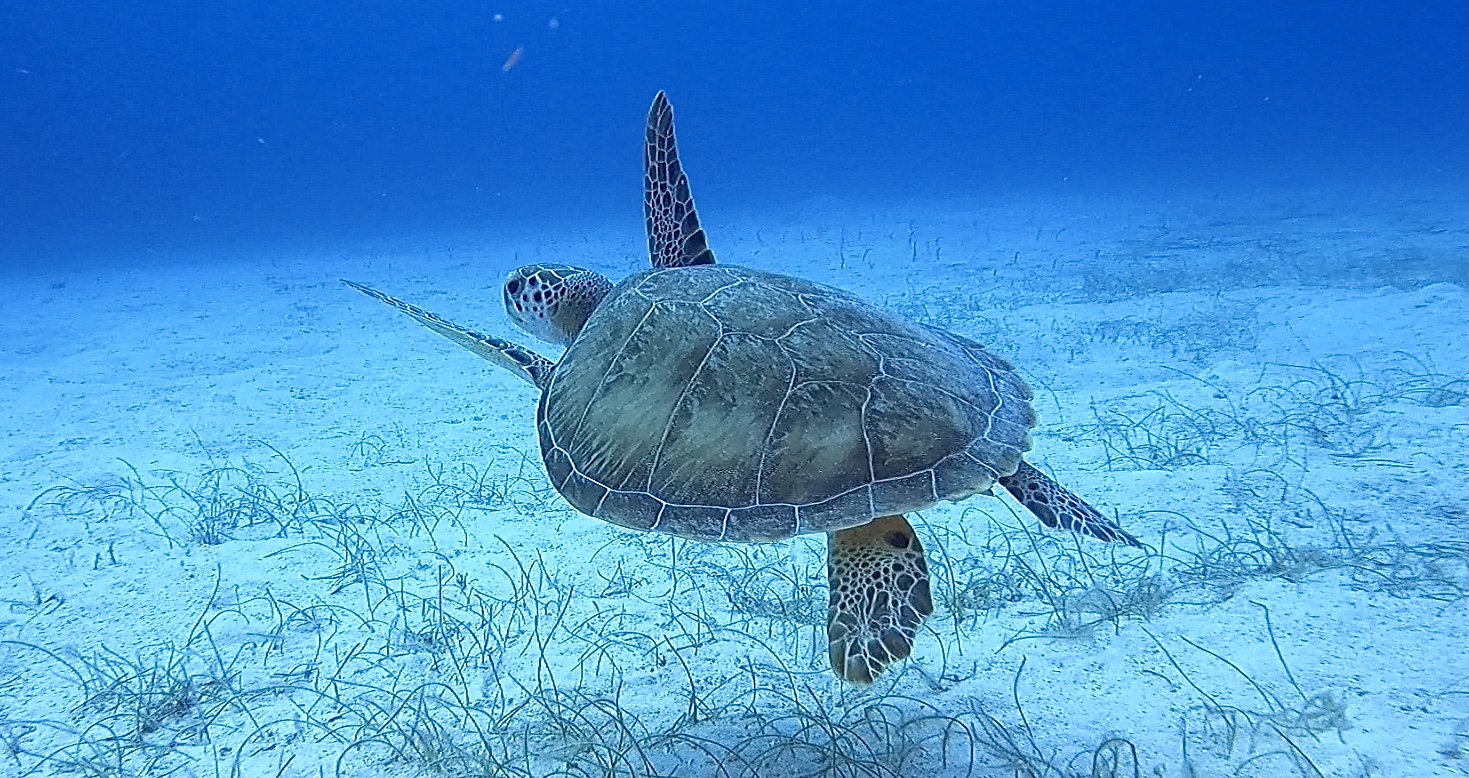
column 513, row 286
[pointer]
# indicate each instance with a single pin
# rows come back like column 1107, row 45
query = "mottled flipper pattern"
column 1058, row 507
column 675, row 238
column 511, row 356
column 879, row 595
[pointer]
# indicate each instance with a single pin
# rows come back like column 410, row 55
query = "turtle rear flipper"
column 879, row 595
column 1059, row 508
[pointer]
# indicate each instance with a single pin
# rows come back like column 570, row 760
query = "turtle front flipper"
column 879, row 595
column 512, row 356
column 675, row 238
column 1058, row 507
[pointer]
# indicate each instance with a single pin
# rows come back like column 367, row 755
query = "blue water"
column 153, row 126
column 252, row 519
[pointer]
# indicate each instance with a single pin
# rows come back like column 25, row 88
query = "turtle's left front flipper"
column 512, row 356
column 1058, row 507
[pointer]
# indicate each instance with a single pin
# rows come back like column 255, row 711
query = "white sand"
column 1298, row 359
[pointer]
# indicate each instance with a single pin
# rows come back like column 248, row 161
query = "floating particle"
column 512, row 59
column 554, row 23
column 498, row 17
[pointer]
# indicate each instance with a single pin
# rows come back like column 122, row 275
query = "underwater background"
column 254, row 523
column 140, row 126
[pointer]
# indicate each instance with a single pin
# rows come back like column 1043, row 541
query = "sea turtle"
column 723, row 403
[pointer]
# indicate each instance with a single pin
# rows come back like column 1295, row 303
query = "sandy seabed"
column 253, row 523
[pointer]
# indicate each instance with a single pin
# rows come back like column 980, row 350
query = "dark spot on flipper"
column 879, row 649
column 922, row 601
column 898, row 539
column 1122, row 536
column 858, row 671
column 514, row 286
column 1044, row 513
column 897, row 644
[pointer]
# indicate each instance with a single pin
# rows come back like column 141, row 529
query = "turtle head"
column 552, row 302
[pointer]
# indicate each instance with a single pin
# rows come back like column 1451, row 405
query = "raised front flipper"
column 512, row 356
column 1056, row 506
column 879, row 595
column 675, row 238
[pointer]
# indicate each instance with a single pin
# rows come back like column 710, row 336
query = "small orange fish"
column 514, row 58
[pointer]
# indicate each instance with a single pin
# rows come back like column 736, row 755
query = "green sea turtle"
column 722, row 403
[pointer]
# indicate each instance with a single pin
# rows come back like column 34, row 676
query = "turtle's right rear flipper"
column 1058, row 507
column 879, row 595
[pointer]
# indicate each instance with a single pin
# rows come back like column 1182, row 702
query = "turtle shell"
column 723, row 403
